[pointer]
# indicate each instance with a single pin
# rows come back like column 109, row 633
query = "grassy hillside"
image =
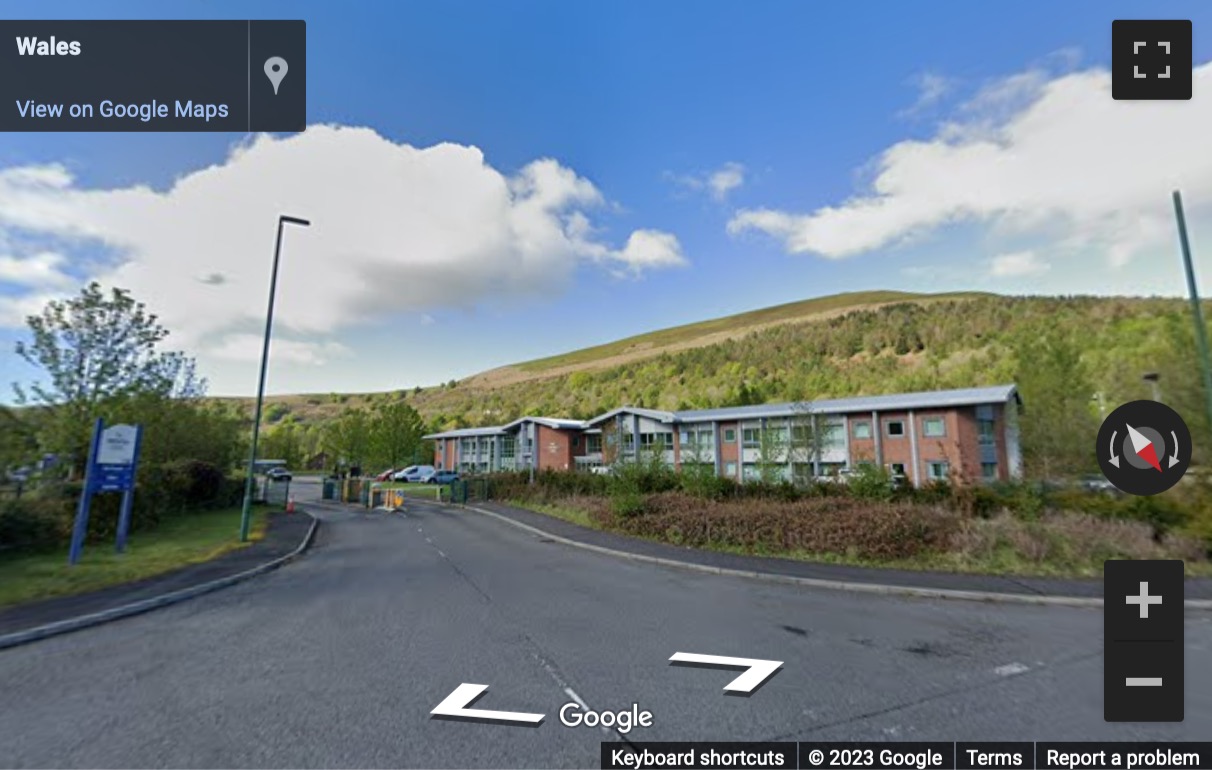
column 718, row 329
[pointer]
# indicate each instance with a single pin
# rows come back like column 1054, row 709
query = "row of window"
column 932, row 427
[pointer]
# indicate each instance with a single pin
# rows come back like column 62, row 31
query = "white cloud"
column 1030, row 154
column 931, row 88
column 395, row 228
column 647, row 249
column 40, row 270
column 247, row 348
column 726, row 179
column 1016, row 264
column 718, row 183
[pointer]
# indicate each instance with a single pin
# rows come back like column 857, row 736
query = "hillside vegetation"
column 1064, row 351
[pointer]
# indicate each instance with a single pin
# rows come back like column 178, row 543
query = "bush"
column 184, row 485
column 30, row 523
column 817, row 525
column 870, row 482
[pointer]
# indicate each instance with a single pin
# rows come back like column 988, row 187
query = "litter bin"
column 329, row 490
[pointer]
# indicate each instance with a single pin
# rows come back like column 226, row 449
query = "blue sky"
column 635, row 166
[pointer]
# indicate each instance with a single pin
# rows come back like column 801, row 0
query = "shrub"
column 30, row 522
column 816, row 525
column 184, row 485
column 870, row 482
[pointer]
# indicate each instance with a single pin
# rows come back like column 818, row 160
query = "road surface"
column 337, row 659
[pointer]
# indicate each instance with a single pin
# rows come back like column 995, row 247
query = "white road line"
column 572, row 694
column 441, row 554
column 1010, row 669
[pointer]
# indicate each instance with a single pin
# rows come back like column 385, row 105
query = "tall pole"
column 1201, row 332
column 246, row 514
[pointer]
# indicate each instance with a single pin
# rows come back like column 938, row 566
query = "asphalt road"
column 336, row 661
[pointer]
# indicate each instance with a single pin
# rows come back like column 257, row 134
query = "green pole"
column 1201, row 332
column 246, row 514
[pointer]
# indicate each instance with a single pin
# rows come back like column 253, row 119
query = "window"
column 576, row 442
column 593, row 443
column 730, row 470
column 651, row 440
column 989, row 471
column 508, row 447
column 862, row 429
column 730, row 437
column 937, row 471
column 934, row 427
column 895, row 428
column 751, row 437
column 832, row 436
column 898, row 469
column 985, row 431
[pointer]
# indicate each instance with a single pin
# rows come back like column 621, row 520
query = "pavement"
column 1198, row 590
column 283, row 535
column 337, row 659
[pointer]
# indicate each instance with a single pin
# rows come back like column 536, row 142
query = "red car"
column 385, row 475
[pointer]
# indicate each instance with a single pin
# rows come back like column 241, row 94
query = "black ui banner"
column 236, row 76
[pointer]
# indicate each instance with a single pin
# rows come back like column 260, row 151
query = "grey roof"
column 551, row 422
column 495, row 430
column 654, row 414
column 931, row 399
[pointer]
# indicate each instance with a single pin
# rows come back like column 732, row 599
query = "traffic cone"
column 290, row 504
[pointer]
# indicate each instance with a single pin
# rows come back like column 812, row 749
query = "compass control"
column 1144, row 447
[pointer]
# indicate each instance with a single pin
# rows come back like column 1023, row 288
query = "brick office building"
column 969, row 434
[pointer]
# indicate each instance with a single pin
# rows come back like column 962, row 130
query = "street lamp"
column 1152, row 378
column 246, row 515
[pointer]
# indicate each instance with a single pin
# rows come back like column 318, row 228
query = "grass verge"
column 178, row 541
column 1001, row 559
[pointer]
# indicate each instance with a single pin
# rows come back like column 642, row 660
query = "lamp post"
column 1152, row 378
column 1197, row 313
column 246, row 514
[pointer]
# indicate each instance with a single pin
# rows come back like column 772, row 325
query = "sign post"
column 112, row 457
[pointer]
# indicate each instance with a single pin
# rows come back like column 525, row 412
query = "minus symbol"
column 1144, row 681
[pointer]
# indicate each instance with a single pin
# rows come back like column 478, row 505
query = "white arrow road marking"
column 456, row 704
column 759, row 670
column 1114, row 457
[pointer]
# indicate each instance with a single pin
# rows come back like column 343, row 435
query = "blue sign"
column 113, row 456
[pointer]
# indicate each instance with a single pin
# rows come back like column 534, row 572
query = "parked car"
column 414, row 474
column 278, row 474
column 444, row 477
column 386, row 475
column 602, row 470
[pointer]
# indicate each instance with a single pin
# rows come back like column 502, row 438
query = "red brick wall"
column 861, row 449
column 554, row 448
column 730, row 453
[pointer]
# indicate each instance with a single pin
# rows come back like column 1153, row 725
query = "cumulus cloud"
column 717, row 183
column 40, row 270
column 247, row 348
column 395, row 228
column 1016, row 264
column 647, row 249
column 1028, row 154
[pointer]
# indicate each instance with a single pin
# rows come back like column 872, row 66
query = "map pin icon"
column 275, row 70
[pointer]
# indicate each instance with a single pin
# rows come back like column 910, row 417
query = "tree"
column 346, row 438
column 773, row 448
column 395, row 434
column 97, row 350
column 1057, row 422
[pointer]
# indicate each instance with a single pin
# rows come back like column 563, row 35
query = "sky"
column 496, row 182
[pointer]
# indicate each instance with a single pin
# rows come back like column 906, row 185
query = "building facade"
column 959, row 435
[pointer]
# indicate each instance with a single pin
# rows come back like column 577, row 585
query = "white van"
column 415, row 474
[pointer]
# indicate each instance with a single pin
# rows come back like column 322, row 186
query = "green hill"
column 871, row 343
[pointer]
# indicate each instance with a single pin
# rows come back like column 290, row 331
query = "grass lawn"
column 178, row 541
